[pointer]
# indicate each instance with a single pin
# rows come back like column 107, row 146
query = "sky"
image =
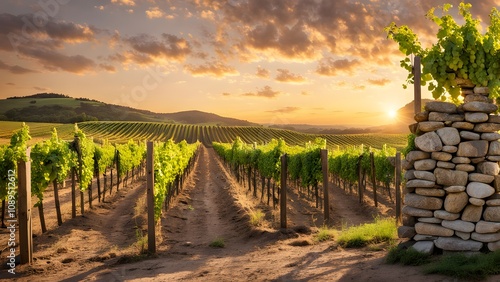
column 322, row 62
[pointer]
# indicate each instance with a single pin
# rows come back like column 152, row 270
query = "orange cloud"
column 332, row 67
column 379, row 82
column 286, row 76
column 266, row 92
column 262, row 72
column 215, row 69
column 285, row 110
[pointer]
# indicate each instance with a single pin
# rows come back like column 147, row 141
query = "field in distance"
column 159, row 131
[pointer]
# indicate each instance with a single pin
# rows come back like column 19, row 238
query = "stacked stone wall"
column 452, row 197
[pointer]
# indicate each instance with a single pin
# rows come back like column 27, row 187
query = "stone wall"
column 452, row 197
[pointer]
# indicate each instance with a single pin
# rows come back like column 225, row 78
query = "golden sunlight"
column 392, row 113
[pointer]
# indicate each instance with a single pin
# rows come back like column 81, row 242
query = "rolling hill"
column 58, row 108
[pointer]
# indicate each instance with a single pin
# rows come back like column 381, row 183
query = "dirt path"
column 211, row 206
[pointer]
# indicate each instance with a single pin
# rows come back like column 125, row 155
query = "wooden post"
column 324, row 167
column 360, row 179
column 397, row 176
column 150, row 180
column 374, row 183
column 417, row 87
column 283, row 191
column 25, row 224
column 73, row 193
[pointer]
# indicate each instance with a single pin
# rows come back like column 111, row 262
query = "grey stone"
column 456, row 202
column 493, row 158
column 468, row 135
column 477, row 202
column 473, row 149
column 463, row 125
column 428, row 126
column 479, row 177
column 430, row 220
column 476, row 117
column 441, row 156
column 450, row 149
column 426, row 164
column 420, row 183
column 477, row 160
column 430, row 192
column 494, row 246
column 406, row 232
column 490, row 136
column 487, row 127
column 425, row 175
column 409, row 174
column 465, row 167
column 449, row 136
column 460, row 160
column 462, row 235
column 450, row 177
column 487, row 227
column 489, row 168
column 493, row 202
column 458, row 225
column 479, row 190
column 492, row 214
column 420, row 237
column 423, row 202
column 411, row 211
column 424, row 247
column 479, row 107
column 442, row 214
column 481, row 90
column 457, row 244
column 429, row 142
column 494, row 148
column 476, row 98
column 485, row 238
column 413, row 156
column 446, row 165
column 454, row 189
column 422, row 116
column 443, row 107
column 494, row 118
column 437, row 116
column 472, row 213
column 433, row 229
column 496, row 183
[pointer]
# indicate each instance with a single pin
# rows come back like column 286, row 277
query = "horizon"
column 307, row 62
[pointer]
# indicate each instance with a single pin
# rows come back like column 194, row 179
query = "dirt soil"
column 104, row 244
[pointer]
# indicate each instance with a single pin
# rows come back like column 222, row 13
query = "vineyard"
column 121, row 132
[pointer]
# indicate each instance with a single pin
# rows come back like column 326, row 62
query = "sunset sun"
column 392, row 114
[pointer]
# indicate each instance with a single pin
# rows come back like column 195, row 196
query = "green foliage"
column 9, row 155
column 461, row 266
column 104, row 156
column 84, row 148
column 410, row 145
column 407, row 256
column 256, row 218
column 170, row 161
column 461, row 51
column 51, row 161
column 382, row 230
column 218, row 243
column 325, row 234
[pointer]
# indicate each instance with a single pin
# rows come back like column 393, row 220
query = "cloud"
column 10, row 83
column 154, row 13
column 38, row 88
column 226, row 94
column 379, row 82
column 332, row 67
column 55, row 61
column 124, row 2
column 304, row 93
column 168, row 47
column 262, row 72
column 266, row 92
column 286, row 76
column 15, row 69
column 216, row 69
column 285, row 110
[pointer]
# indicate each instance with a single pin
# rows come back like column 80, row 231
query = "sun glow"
column 392, row 113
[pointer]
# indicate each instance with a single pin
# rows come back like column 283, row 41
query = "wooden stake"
column 417, row 87
column 374, row 183
column 324, row 167
column 283, row 191
column 25, row 223
column 397, row 177
column 151, row 198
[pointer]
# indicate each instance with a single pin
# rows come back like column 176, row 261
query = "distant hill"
column 59, row 108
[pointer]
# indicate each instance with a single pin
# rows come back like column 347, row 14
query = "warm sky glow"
column 267, row 61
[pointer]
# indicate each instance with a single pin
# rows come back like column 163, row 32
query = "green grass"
column 218, row 243
column 382, row 230
column 9, row 104
column 407, row 256
column 325, row 234
column 461, row 266
column 256, row 218
column 38, row 130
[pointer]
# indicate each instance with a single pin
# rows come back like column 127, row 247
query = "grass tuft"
column 325, row 234
column 461, row 266
column 256, row 218
column 217, row 243
column 407, row 256
column 382, row 230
